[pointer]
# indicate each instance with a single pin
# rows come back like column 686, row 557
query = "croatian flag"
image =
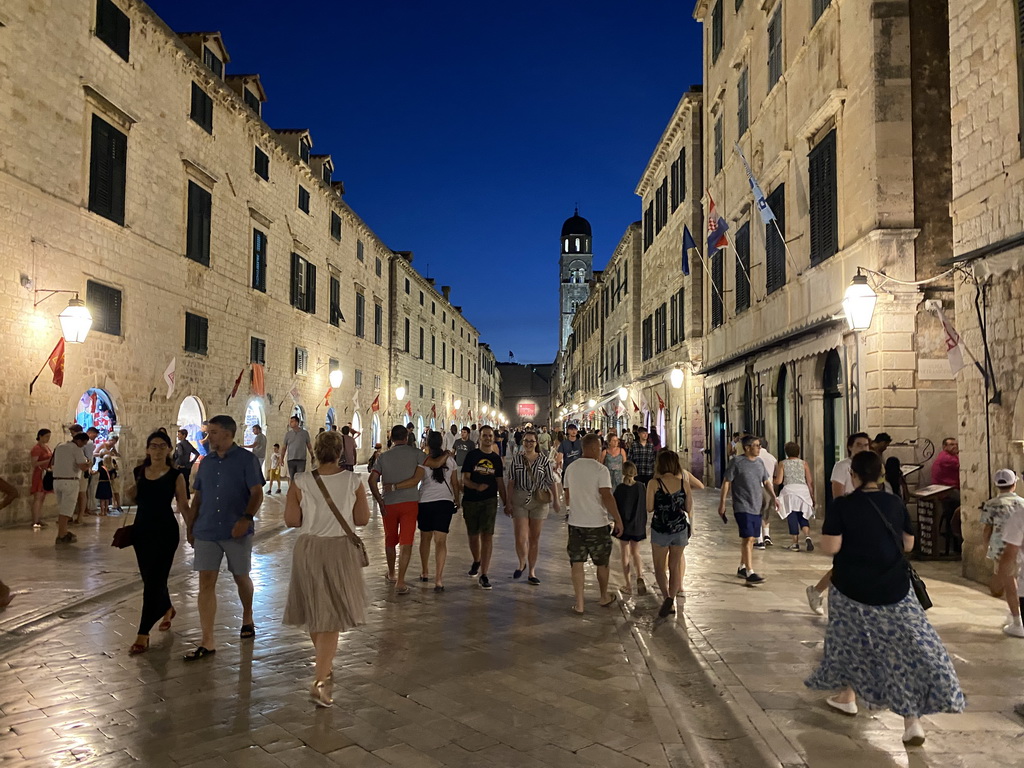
column 717, row 227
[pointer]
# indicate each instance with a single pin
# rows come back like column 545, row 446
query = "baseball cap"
column 1005, row 478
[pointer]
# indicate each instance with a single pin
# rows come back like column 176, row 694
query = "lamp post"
column 859, row 303
column 75, row 320
column 676, row 378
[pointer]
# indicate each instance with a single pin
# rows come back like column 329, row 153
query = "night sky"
column 466, row 132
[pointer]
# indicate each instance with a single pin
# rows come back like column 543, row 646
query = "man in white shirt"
column 1010, row 563
column 69, row 462
column 588, row 488
column 450, row 437
column 767, row 507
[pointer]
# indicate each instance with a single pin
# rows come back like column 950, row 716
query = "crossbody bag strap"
column 330, row 503
column 896, row 537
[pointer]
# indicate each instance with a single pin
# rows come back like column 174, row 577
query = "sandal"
column 137, row 648
column 439, row 588
column 610, row 602
column 424, row 579
column 166, row 623
column 402, row 590
column 248, row 632
column 199, row 653
column 578, row 613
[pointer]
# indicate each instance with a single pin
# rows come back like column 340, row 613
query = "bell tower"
column 577, row 270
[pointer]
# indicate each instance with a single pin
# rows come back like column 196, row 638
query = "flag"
column 355, row 400
column 56, row 363
column 234, row 389
column 636, row 408
column 259, row 387
column 688, row 243
column 510, row 355
column 169, row 377
column 408, row 408
column 955, row 346
column 767, row 215
column 717, row 227
column 294, row 392
column 375, row 405
column 661, row 403
column 433, row 410
column 643, row 403
column 327, row 397
column 469, row 413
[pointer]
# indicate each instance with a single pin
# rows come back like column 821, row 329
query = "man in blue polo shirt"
column 228, row 494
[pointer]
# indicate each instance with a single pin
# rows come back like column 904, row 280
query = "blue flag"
column 767, row 214
column 688, row 243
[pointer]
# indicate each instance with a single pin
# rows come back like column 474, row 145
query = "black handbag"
column 124, row 536
column 48, row 475
column 916, row 582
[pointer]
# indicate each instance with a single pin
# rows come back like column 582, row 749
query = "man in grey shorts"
column 228, row 494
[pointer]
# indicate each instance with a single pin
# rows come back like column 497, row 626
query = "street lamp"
column 75, row 321
column 335, row 377
column 676, row 378
column 457, row 404
column 859, row 303
column 591, row 402
column 623, row 394
column 400, row 393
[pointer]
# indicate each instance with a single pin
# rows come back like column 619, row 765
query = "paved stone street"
column 468, row 678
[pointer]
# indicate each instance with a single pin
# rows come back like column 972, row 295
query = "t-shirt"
column 259, row 447
column 431, row 490
column 747, row 477
column 946, row 470
column 1013, row 533
column 462, row 449
column 275, row 461
column 483, row 468
column 66, row 458
column 869, row 567
column 632, row 503
column 348, row 450
column 317, row 517
column 996, row 512
column 841, row 474
column 770, row 463
column 396, row 464
column 584, row 481
column 225, row 484
column 295, row 442
column 449, row 440
column 570, row 450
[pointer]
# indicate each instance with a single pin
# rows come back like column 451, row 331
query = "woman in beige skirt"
column 327, row 594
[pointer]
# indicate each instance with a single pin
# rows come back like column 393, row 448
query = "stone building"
column 987, row 84
column 137, row 173
column 575, row 269
column 433, row 352
column 489, row 398
column 840, row 108
column 526, row 392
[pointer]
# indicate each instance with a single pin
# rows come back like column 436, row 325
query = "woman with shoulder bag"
column 879, row 644
column 327, row 594
column 532, row 491
column 670, row 504
column 42, row 462
column 154, row 533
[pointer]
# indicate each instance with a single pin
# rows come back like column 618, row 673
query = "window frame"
column 104, row 302
column 261, row 162
column 303, row 200
column 201, row 108
column 776, row 60
column 823, row 199
column 259, row 260
column 108, row 170
column 197, row 334
column 114, row 28
column 335, row 317
column 257, row 350
column 360, row 329
column 199, row 201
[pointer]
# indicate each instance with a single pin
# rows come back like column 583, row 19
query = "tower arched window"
column 577, row 245
column 567, row 245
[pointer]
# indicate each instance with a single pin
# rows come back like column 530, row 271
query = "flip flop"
column 610, row 603
column 248, row 631
column 439, row 588
column 424, row 579
column 166, row 623
column 578, row 613
column 403, row 590
column 199, row 653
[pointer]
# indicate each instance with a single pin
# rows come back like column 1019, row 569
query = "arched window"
column 577, row 245
column 567, row 245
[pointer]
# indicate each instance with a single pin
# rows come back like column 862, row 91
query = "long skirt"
column 327, row 592
column 890, row 655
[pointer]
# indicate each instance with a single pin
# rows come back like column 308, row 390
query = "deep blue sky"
column 466, row 132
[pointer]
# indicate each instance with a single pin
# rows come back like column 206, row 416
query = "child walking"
column 631, row 499
column 275, row 468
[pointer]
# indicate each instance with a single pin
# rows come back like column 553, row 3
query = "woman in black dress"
column 155, row 535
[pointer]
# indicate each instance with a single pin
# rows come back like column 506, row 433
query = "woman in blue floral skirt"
column 879, row 644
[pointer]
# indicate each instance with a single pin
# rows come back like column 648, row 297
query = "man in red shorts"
column 398, row 506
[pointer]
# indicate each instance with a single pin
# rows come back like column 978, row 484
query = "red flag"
column 661, row 403
column 636, row 408
column 408, row 408
column 56, row 363
column 375, row 405
column 433, row 410
column 234, row 389
column 258, row 386
column 327, row 396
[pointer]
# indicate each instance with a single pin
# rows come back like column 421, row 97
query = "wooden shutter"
column 775, row 248
column 717, row 283
column 259, row 260
column 198, row 236
column 311, row 288
column 104, row 303
column 202, row 108
column 296, row 282
column 681, row 322
column 107, row 167
column 113, row 27
column 823, row 199
column 742, row 251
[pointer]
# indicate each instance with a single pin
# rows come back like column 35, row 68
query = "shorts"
column 209, row 554
column 275, row 474
column 400, row 523
column 796, row 521
column 67, row 496
column 767, row 507
column 680, row 539
column 436, row 516
column 83, row 484
column 595, row 543
column 532, row 509
column 480, row 516
column 296, row 467
column 750, row 525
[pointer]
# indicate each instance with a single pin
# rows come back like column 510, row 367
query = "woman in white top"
column 327, row 594
column 796, row 501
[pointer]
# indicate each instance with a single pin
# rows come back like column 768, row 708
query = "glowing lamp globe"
column 335, row 378
column 399, row 393
column 676, row 378
column 75, row 321
column 623, row 394
column 859, row 303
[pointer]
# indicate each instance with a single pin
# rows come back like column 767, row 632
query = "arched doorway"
column 329, row 419
column 681, row 445
column 191, row 415
column 253, row 415
column 357, row 425
column 719, row 434
column 96, row 409
column 834, row 416
column 300, row 413
column 783, row 412
column 419, row 430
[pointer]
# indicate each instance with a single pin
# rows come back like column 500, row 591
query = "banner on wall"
column 527, row 410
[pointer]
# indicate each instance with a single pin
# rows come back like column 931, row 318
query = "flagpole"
column 789, row 254
column 712, row 279
column 746, row 274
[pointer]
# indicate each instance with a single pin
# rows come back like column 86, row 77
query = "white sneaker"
column 913, row 736
column 847, row 708
column 815, row 600
column 1013, row 630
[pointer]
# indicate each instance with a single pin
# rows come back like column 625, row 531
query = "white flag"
column 355, row 400
column 955, row 347
column 296, row 395
column 169, row 377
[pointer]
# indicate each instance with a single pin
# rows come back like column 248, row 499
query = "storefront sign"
column 527, row 410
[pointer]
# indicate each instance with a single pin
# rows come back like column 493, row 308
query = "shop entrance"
column 191, row 416
column 834, row 417
column 96, row 409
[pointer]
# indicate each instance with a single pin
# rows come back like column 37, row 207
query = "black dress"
column 155, row 538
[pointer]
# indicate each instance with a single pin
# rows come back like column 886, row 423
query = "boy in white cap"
column 994, row 514
column 1012, row 535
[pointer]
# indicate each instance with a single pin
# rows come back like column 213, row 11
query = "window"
column 421, row 390
column 719, row 146
column 680, row 316
column 104, row 303
column 197, row 329
column 360, row 314
column 303, row 282
column 407, row 285
column 107, row 163
column 259, row 261
column 647, row 338
column 817, row 8
column 301, row 361
column 743, row 99
column 202, row 109
column 717, row 284
column 261, row 164
column 717, row 33
column 405, row 346
column 775, row 49
column 433, row 349
column 325, row 173
column 677, row 193
column 739, row 4
column 660, row 334
column 422, row 303
column 303, row 199
column 252, row 101
column 359, row 250
column 775, row 248
column 661, row 206
column 648, row 226
column 421, row 343
column 304, row 149
column 113, row 27
column 335, row 225
column 821, row 168
column 741, row 243
column 336, row 316
column 444, row 355
column 433, row 308
column 213, row 61
column 200, row 210
column 257, row 350
column 359, row 378
column 376, row 381
column 378, row 324
column 379, row 267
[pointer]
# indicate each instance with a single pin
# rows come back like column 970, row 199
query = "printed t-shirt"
column 570, row 450
column 485, row 469
column 1013, row 533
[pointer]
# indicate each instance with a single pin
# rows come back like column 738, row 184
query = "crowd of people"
column 879, row 644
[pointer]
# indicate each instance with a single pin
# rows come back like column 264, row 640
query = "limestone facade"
column 988, row 236
column 489, row 399
column 526, row 392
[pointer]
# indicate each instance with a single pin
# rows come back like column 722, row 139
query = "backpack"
column 669, row 511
